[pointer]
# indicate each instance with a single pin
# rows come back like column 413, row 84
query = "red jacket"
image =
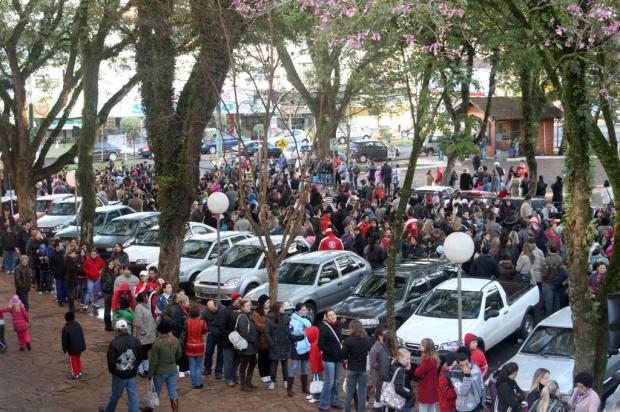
column 316, row 358
column 446, row 392
column 426, row 372
column 20, row 317
column 331, row 242
column 196, row 328
column 477, row 356
column 92, row 267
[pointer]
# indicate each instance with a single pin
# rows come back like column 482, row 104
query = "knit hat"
column 144, row 273
column 15, row 300
column 262, row 299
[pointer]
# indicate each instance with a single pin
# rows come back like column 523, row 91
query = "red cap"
column 234, row 296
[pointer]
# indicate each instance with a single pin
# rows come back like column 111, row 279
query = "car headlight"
column 449, row 346
column 369, row 322
column 232, row 282
column 141, row 262
column 57, row 228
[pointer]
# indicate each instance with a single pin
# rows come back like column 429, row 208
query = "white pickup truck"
column 492, row 310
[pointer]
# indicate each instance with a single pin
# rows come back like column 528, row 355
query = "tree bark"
column 23, row 181
column 531, row 107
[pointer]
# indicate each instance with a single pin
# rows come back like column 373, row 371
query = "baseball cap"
column 121, row 324
column 144, row 273
column 234, row 296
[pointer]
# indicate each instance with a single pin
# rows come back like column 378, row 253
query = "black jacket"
column 355, row 349
column 329, row 344
column 124, row 356
column 466, row 182
column 8, row 240
column 247, row 329
column 226, row 318
column 402, row 383
column 73, row 341
column 108, row 277
column 509, row 396
column 215, row 328
column 57, row 264
column 278, row 336
column 484, row 265
column 22, row 238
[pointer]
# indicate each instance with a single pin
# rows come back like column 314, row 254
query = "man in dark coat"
column 227, row 317
column 214, row 338
column 484, row 265
column 73, row 344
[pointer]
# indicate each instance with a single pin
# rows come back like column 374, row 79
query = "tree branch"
column 56, row 166
column 105, row 110
column 294, row 79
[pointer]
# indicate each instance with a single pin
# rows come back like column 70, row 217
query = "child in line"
column 20, row 322
column 73, row 343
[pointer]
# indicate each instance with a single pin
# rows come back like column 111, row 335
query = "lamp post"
column 218, row 203
column 459, row 247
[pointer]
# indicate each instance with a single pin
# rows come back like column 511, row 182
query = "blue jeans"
column 356, row 381
column 88, row 292
column 331, row 377
column 60, row 290
column 231, row 365
column 212, row 343
column 292, row 370
column 118, row 385
column 406, row 409
column 23, row 296
column 170, row 379
column 8, row 260
column 195, row 369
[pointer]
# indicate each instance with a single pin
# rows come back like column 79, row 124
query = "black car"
column 413, row 281
column 250, row 149
column 363, row 150
column 103, row 151
column 123, row 230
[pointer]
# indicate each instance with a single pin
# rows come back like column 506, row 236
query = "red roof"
column 509, row 108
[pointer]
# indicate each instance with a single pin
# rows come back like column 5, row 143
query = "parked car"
column 431, row 145
column 354, row 132
column 62, row 213
column 363, row 150
column 124, row 230
column 444, row 192
column 294, row 136
column 413, row 281
column 551, row 345
column 146, row 152
column 103, row 151
column 242, row 268
column 43, row 204
column 145, row 250
column 103, row 215
column 199, row 252
column 249, row 149
column 229, row 141
column 492, row 310
column 319, row 279
column 291, row 151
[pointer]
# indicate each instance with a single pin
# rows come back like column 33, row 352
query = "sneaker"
column 71, row 376
column 314, row 400
column 39, row 293
column 218, row 376
column 181, row 375
column 199, row 386
column 308, row 397
column 285, row 384
column 205, row 373
column 231, row 383
column 272, row 385
column 265, row 379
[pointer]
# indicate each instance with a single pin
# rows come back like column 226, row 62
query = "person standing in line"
column 539, row 381
column 144, row 330
column 355, row 350
column 300, row 348
column 23, row 280
column 259, row 317
column 73, row 344
column 124, row 356
column 72, row 270
column 214, row 339
column 584, row 398
column 247, row 357
column 163, row 358
column 108, row 275
column 426, row 373
column 331, row 347
column 549, row 400
column 447, row 394
column 277, row 334
column 227, row 317
column 195, row 347
column 57, row 265
column 92, row 269
column 9, row 240
column 509, row 394
column 466, row 379
column 401, row 375
column 607, row 195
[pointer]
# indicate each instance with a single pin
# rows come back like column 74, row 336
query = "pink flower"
column 410, row 38
column 349, row 12
column 547, row 42
column 574, row 8
column 376, row 36
column 560, row 30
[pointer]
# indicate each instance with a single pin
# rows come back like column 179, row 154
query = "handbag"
column 389, row 397
column 150, row 400
column 236, row 339
column 316, row 386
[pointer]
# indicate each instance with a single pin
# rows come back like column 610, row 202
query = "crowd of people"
column 161, row 335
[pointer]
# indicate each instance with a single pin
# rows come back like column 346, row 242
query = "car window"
column 493, row 301
column 114, row 214
column 224, row 246
column 126, row 211
column 237, row 239
column 329, row 271
column 195, row 249
column 346, row 265
column 551, row 341
column 242, row 256
column 439, row 276
column 100, row 219
column 375, row 287
column 293, row 273
column 199, row 230
column 418, row 288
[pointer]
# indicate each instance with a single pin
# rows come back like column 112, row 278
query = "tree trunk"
column 273, row 277
column 530, row 125
column 85, row 174
column 23, row 183
column 450, row 166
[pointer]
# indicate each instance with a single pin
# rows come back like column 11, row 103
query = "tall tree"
column 175, row 124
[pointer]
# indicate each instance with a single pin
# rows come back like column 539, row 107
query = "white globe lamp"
column 458, row 247
column 217, row 202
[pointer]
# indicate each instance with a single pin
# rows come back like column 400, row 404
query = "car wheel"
column 112, row 156
column 212, row 150
column 527, row 326
column 311, row 311
column 342, row 140
column 249, row 288
column 189, row 289
column 363, row 158
column 430, row 152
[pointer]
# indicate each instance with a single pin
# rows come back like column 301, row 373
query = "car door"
column 350, row 275
column 329, row 286
column 111, row 215
column 491, row 328
column 414, row 293
column 225, row 244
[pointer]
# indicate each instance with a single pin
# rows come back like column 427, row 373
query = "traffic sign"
column 333, row 144
column 282, row 144
column 392, row 151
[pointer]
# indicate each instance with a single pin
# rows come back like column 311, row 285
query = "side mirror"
column 323, row 281
column 492, row 313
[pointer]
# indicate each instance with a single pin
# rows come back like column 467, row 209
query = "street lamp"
column 459, row 247
column 218, row 204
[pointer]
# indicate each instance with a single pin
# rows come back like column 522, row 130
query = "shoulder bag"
column 236, row 339
column 389, row 397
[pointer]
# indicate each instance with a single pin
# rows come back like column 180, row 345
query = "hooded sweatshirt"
column 123, row 292
column 297, row 326
column 469, row 388
column 477, row 356
column 316, row 358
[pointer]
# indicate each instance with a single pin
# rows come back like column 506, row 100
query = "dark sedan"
column 123, row 230
column 250, row 149
column 229, row 141
column 103, row 152
column 413, row 281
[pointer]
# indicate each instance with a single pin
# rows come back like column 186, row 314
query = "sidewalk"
column 37, row 380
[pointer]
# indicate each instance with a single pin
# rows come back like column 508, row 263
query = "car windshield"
column 375, row 287
column 196, row 249
column 298, row 273
column 40, row 206
column 62, row 209
column 551, row 341
column 150, row 238
column 120, row 228
column 443, row 303
column 241, row 256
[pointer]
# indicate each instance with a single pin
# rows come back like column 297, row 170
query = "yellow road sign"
column 282, row 144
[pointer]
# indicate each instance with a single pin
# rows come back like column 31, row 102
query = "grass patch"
column 102, row 165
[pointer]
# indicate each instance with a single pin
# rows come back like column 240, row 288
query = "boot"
column 289, row 386
column 174, row 404
column 304, row 384
column 244, row 387
column 249, row 384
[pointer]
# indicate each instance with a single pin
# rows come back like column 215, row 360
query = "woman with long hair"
column 247, row 329
column 549, row 399
column 509, row 394
column 355, row 350
column 259, row 317
column 525, row 264
column 277, row 334
column 427, row 375
column 539, row 381
column 164, row 355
